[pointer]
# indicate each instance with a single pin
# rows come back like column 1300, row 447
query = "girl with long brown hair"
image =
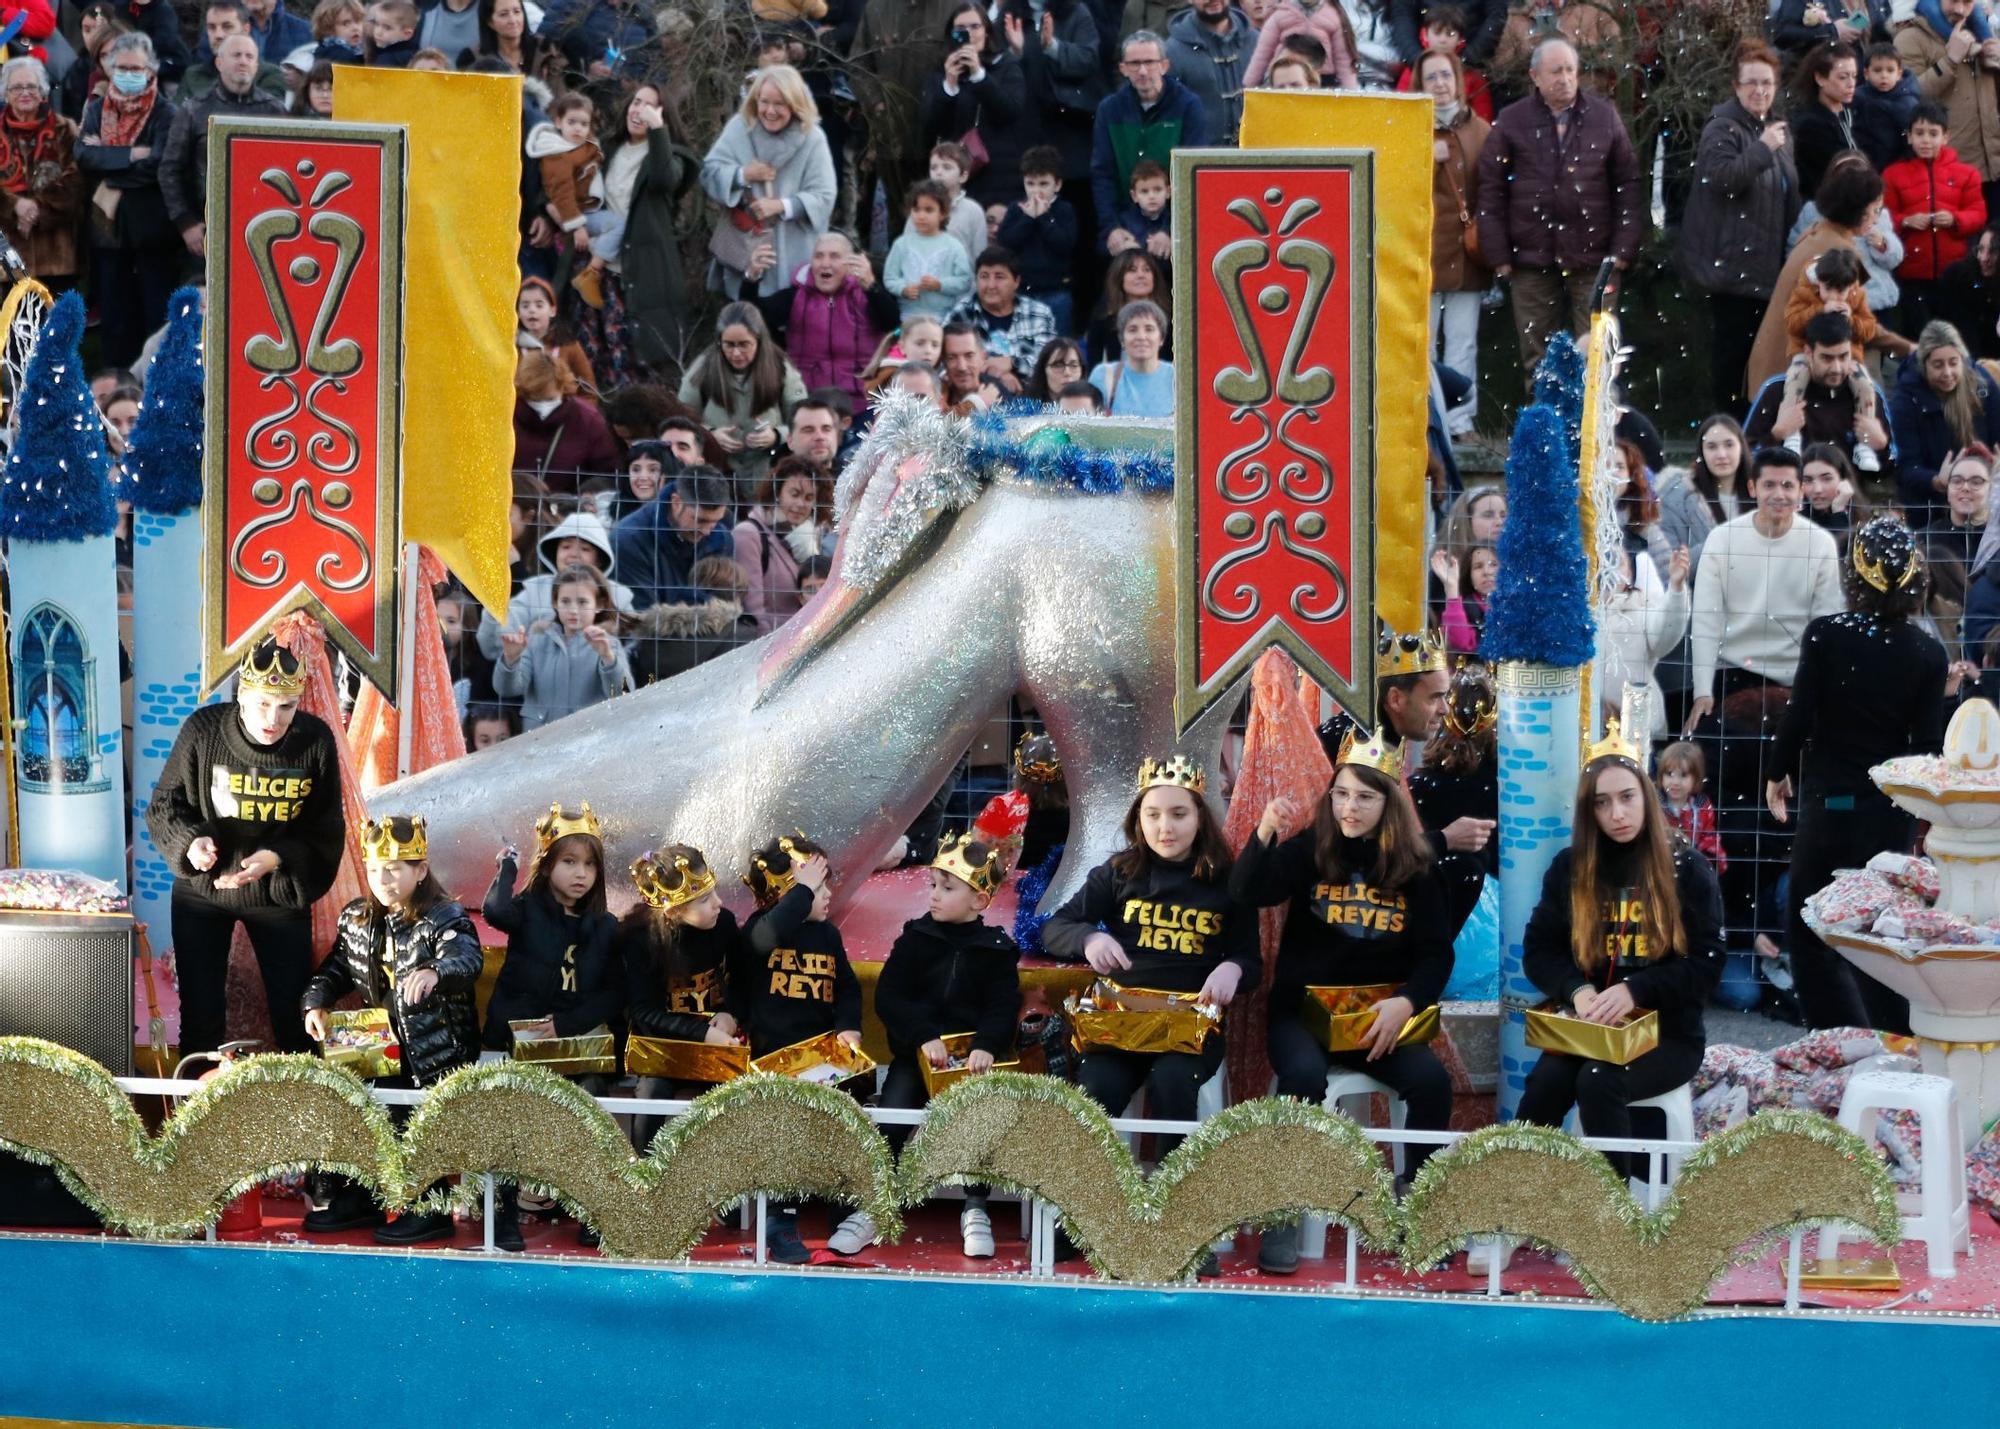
column 1365, row 910
column 1630, row 920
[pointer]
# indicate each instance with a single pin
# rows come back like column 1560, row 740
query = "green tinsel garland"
column 258, row 1118
column 1255, row 1163
column 1779, row 1172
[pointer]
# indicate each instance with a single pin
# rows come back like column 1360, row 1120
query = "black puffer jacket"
column 1746, row 195
column 377, row 956
column 950, row 977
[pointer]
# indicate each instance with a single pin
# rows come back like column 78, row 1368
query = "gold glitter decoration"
column 759, row 1133
column 256, row 1119
column 1778, row 1172
column 1258, row 1162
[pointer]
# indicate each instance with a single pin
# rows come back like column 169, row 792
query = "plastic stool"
column 1678, row 1107
column 1344, row 1085
column 1937, row 1214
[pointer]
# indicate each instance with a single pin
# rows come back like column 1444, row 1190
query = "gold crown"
column 263, row 672
column 1179, row 771
column 555, row 824
column 1037, row 767
column 671, row 885
column 777, row 883
column 1375, row 753
column 1418, row 654
column 1614, row 745
column 954, row 856
column 1473, row 709
column 1876, row 573
column 379, row 843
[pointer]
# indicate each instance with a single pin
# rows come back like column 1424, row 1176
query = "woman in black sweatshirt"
column 1630, row 920
column 1364, row 908
column 677, row 946
column 1172, row 926
column 1870, row 687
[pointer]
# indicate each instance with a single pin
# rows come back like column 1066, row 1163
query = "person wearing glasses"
column 1148, row 117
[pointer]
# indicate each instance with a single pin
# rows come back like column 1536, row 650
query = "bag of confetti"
column 1855, row 900
column 58, row 890
column 1917, row 875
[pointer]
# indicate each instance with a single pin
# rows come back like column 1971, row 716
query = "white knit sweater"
column 1754, row 597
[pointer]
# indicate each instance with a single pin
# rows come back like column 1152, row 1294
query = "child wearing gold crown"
column 408, row 948
column 560, row 971
column 1630, row 920
column 951, row 971
column 1365, row 909
column 1159, row 915
column 796, row 983
column 248, row 816
column 677, row 946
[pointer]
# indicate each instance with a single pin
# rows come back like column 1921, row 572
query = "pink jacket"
column 1323, row 22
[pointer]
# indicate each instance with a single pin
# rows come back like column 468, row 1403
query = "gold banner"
column 1554, row 1031
column 1338, row 1016
column 683, row 1061
column 464, row 145
column 595, row 1051
column 1397, row 128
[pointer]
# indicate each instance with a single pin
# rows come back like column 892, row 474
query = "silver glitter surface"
column 1062, row 597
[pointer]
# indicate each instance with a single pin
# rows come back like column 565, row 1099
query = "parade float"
column 1130, row 581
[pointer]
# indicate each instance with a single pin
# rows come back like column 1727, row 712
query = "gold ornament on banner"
column 257, row 1118
column 1778, row 1172
column 1257, row 1162
column 759, row 1133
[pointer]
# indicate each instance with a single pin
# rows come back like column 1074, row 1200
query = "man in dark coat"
column 658, row 544
column 1559, row 192
column 184, row 166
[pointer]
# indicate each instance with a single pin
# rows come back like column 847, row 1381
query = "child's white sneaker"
column 1865, row 458
column 854, row 1235
column 975, row 1227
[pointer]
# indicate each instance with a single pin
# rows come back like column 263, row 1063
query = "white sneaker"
column 1865, row 458
column 854, row 1235
column 1481, row 1251
column 975, row 1227
column 1795, row 443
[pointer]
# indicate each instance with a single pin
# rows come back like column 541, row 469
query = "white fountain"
column 1953, row 987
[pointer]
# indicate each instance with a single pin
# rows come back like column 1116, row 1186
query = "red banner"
column 1275, row 402
column 304, row 351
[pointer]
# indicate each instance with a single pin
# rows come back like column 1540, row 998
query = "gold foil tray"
column 592, row 1051
column 1852, row 1275
column 380, row 1056
column 682, row 1061
column 806, row 1059
column 959, row 1044
column 1139, row 1019
column 1554, row 1031
column 1337, row 1016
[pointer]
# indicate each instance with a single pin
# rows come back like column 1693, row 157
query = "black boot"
column 348, row 1208
column 1278, row 1249
column 507, row 1220
column 416, row 1228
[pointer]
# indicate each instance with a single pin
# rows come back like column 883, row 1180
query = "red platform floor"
column 930, row 1245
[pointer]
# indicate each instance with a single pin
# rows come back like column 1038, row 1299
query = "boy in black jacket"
column 795, row 984
column 951, row 972
column 247, row 814
column 1040, row 229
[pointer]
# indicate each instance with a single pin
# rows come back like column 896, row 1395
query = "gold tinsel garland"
column 1778, row 1172
column 1255, row 1163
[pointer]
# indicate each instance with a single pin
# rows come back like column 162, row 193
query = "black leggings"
column 1173, row 1082
column 1302, row 1064
column 1603, row 1093
column 282, row 940
column 903, row 1089
column 1832, row 991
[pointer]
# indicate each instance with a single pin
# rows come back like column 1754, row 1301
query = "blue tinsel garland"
column 1541, row 606
column 57, row 485
column 1030, row 889
column 1051, row 457
column 162, row 468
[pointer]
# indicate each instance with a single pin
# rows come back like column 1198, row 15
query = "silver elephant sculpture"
column 951, row 591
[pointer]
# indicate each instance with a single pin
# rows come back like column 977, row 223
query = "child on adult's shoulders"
column 1146, row 222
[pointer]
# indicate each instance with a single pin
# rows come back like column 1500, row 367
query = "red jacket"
column 1946, row 183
